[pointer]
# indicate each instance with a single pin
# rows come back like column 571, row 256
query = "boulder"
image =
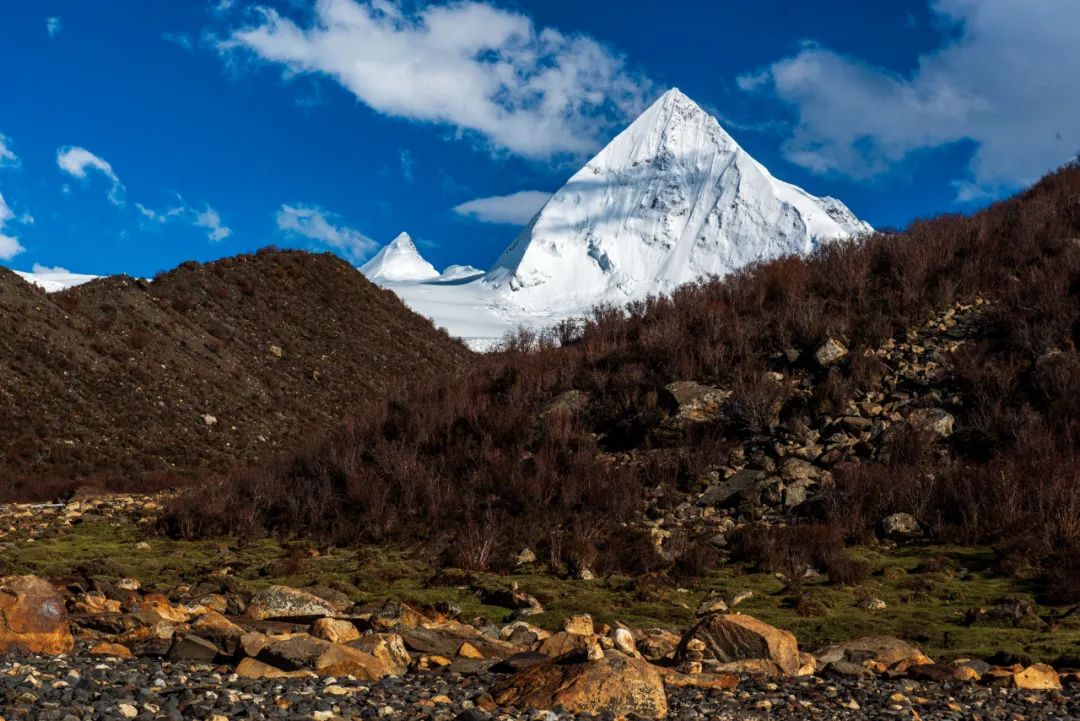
column 1039, row 677
column 214, row 627
column 564, row 642
column 689, row 402
column 335, row 630
column 109, row 650
column 884, row 650
column 293, row 653
column 95, row 602
column 189, row 647
column 624, row 641
column 710, row 605
column 282, row 602
column 936, row 421
column 339, row 660
column 251, row 668
column 152, row 641
column 445, row 640
column 615, row 684
column 521, row 633
column 387, row 647
column 32, row 617
column 901, row 526
column 675, row 679
column 162, row 606
column 725, row 491
column 725, row 638
column 657, row 644
column 829, row 353
column 581, row 624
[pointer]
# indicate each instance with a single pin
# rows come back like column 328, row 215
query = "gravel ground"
column 77, row 689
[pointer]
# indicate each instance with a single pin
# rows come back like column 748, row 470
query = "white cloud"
column 515, row 209
column 39, row 269
column 207, row 218
column 487, row 71
column 76, row 162
column 8, row 159
column 316, row 224
column 53, row 26
column 210, row 220
column 1003, row 80
column 9, row 246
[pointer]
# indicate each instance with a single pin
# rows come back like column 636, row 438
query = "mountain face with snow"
column 398, row 261
column 673, row 198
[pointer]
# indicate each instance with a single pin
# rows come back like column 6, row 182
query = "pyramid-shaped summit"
column 671, row 199
column 399, row 260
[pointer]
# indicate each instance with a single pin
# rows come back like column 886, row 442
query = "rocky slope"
column 202, row 369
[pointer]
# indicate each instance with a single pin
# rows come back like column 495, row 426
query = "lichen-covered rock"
column 613, row 684
column 689, row 402
column 727, row 638
column 282, row 602
column 33, row 618
column 884, row 650
column 335, row 630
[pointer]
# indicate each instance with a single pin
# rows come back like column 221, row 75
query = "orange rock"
column 467, row 650
column 737, row 637
column 340, row 660
column 387, row 647
column 335, row 630
column 32, row 617
column 674, row 679
column 615, row 684
column 110, row 650
column 1039, row 677
column 250, row 668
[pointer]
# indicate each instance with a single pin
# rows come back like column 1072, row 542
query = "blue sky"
column 137, row 135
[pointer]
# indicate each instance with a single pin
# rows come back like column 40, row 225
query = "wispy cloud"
column 182, row 39
column 515, row 209
column 9, row 245
column 320, row 226
column 8, row 159
column 998, row 81
column 407, row 164
column 206, row 218
column 489, row 72
column 53, row 26
column 77, row 162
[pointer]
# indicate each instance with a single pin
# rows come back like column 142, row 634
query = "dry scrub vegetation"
column 476, row 465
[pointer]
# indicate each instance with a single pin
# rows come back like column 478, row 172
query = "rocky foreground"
column 66, row 688
column 115, row 650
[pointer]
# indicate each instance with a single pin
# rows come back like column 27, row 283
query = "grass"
column 925, row 601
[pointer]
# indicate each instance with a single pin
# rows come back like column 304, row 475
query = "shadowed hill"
column 206, row 368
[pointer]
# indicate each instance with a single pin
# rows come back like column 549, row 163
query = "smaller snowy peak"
column 54, row 281
column 457, row 272
column 399, row 261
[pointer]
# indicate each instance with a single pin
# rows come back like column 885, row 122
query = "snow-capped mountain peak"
column 399, row 260
column 671, row 199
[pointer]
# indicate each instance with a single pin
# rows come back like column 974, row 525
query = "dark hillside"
column 932, row 372
column 206, row 368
